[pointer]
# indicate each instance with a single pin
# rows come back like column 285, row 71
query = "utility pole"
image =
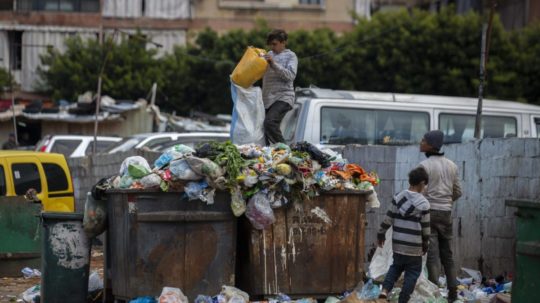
column 484, row 55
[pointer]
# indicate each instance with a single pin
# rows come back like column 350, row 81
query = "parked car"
column 153, row 141
column 191, row 140
column 44, row 176
column 74, row 146
column 335, row 117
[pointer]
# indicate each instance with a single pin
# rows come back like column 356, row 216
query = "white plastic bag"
column 382, row 259
column 248, row 115
column 172, row 295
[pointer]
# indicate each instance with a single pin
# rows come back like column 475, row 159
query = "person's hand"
column 380, row 243
column 425, row 247
column 269, row 59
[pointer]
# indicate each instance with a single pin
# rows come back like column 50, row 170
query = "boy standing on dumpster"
column 408, row 214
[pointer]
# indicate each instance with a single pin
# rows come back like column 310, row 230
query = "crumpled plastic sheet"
column 201, row 191
column 231, row 292
column 181, row 170
column 259, row 212
column 166, row 158
column 205, row 167
column 238, row 204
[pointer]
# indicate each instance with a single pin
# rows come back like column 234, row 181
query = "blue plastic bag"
column 146, row 299
column 369, row 291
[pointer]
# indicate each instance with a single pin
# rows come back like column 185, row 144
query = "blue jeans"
column 412, row 265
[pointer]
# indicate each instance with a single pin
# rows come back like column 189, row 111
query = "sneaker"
column 383, row 295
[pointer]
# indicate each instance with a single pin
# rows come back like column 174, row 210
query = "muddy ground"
column 12, row 288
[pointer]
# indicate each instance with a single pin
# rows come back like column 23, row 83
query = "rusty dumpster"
column 315, row 248
column 158, row 239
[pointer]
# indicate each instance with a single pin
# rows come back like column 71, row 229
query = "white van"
column 333, row 117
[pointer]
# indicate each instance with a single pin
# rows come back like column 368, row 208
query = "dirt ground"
column 12, row 288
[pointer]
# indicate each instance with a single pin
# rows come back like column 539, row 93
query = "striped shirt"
column 408, row 214
column 279, row 77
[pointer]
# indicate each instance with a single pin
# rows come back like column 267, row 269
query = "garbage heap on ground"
column 258, row 178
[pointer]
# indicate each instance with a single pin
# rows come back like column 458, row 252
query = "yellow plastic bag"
column 251, row 67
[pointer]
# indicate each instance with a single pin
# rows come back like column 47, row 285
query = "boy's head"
column 418, row 177
column 277, row 40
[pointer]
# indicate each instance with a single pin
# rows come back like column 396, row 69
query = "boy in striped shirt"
column 408, row 215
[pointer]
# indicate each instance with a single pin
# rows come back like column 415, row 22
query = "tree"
column 6, row 81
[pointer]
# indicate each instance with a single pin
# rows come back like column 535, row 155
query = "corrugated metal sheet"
column 122, row 8
column 33, row 48
column 167, row 9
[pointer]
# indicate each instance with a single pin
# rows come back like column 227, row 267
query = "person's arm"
column 386, row 223
column 426, row 230
column 287, row 72
column 456, row 188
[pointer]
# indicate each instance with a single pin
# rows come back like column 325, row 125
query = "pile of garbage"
column 258, row 178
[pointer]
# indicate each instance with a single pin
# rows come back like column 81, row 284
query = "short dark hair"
column 417, row 175
column 277, row 34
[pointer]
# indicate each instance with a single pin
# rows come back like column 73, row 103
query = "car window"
column 288, row 124
column 124, row 145
column 100, row 147
column 537, row 122
column 156, row 141
column 65, row 147
column 56, row 177
column 191, row 142
column 460, row 128
column 3, row 188
column 372, row 126
column 26, row 176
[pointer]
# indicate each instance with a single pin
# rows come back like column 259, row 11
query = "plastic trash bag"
column 314, row 152
column 231, row 292
column 32, row 294
column 475, row 274
column 151, row 181
column 172, row 295
column 181, row 170
column 369, row 291
column 373, row 199
column 166, row 157
column 205, row 167
column 125, row 182
column 382, row 259
column 200, row 191
column 247, row 125
column 238, row 204
column 30, row 273
column 146, row 299
column 182, row 149
column 94, row 282
column 95, row 216
column 203, row 299
column 331, row 300
column 251, row 67
column 259, row 212
column 138, row 160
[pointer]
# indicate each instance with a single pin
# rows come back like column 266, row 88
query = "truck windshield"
column 341, row 125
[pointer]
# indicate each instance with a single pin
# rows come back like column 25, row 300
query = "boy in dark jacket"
column 409, row 217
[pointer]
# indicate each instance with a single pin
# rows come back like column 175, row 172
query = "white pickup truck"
column 334, row 117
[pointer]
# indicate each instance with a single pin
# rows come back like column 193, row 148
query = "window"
column 15, row 49
column 460, row 128
column 26, row 176
column 537, row 123
column 59, row 5
column 310, row 2
column 3, row 185
column 6, row 5
column 56, row 177
column 372, row 126
column 65, row 147
column 156, row 141
column 23, row 5
column 101, row 146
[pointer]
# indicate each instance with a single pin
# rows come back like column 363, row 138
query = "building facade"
column 28, row 27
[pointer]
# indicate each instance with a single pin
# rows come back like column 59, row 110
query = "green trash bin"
column 527, row 250
column 65, row 258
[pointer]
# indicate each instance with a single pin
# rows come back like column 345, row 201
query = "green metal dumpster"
column 19, row 235
column 527, row 279
column 65, row 262
column 158, row 239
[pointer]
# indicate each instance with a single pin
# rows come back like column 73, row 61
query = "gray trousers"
column 272, row 122
column 440, row 249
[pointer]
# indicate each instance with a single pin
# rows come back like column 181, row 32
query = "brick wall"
column 492, row 170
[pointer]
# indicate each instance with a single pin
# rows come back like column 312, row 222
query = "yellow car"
column 41, row 177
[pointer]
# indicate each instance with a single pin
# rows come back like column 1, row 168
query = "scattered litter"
column 30, row 273
column 172, row 295
column 146, row 299
column 32, row 294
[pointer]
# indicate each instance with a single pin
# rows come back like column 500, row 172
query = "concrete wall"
column 87, row 171
column 492, row 170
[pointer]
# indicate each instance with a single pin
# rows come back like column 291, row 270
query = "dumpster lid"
column 347, row 192
column 62, row 216
column 523, row 203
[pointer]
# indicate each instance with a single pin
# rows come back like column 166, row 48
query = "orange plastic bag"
column 251, row 67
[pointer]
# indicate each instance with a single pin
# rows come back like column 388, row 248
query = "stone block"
column 532, row 148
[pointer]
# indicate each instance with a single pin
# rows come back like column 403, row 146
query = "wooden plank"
column 360, row 241
column 279, row 252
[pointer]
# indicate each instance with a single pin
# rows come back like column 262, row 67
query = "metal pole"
column 12, row 55
column 478, row 122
